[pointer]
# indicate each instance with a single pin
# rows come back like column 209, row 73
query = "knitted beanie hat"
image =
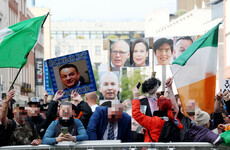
column 201, row 117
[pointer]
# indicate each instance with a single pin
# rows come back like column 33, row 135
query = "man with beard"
column 75, row 130
column 20, row 131
column 110, row 123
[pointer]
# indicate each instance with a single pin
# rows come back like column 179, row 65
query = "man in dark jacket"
column 34, row 116
column 110, row 123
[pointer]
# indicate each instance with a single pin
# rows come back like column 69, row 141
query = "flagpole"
column 176, row 72
column 12, row 85
column 45, row 19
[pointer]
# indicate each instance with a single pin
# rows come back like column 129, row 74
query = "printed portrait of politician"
column 163, row 51
column 139, row 53
column 181, row 44
column 120, row 53
column 109, row 85
column 72, row 75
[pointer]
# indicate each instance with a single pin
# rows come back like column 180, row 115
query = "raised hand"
column 135, row 92
column 58, row 95
column 76, row 97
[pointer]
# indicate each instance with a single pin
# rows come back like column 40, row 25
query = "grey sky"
column 103, row 10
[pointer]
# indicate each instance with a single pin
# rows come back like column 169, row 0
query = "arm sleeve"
column 48, row 137
column 142, row 119
column 52, row 111
column 128, row 132
column 82, row 135
column 93, row 125
column 87, row 112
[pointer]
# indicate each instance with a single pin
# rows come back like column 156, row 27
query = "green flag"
column 18, row 40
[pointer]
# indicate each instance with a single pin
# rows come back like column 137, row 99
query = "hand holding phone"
column 138, row 85
column 64, row 130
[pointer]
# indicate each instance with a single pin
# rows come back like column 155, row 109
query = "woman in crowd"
column 139, row 53
column 163, row 50
column 162, row 127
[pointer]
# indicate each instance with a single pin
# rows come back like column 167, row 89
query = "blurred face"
column 69, row 77
column 33, row 110
column 153, row 91
column 225, row 117
column 115, row 112
column 163, row 54
column 139, row 54
column 20, row 114
column 66, row 112
column 181, row 46
column 120, row 53
column 109, row 86
column 190, row 107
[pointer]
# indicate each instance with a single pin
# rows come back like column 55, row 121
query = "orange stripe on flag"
column 203, row 92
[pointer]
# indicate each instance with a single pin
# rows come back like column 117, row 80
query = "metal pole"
column 163, row 77
column 12, row 85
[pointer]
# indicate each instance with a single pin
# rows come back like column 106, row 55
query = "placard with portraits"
column 120, row 53
column 139, row 52
column 168, row 49
column 72, row 72
column 109, row 85
column 129, row 53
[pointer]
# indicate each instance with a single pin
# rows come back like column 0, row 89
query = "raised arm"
column 175, row 106
column 141, row 118
column 53, row 106
column 4, row 118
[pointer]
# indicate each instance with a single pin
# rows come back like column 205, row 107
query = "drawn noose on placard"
column 227, row 86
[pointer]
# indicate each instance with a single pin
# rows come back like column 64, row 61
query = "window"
column 98, row 50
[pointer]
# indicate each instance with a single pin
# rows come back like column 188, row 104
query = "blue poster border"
column 84, row 55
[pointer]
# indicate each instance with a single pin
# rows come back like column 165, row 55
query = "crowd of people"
column 80, row 119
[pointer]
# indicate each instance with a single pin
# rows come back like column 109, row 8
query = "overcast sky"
column 103, row 10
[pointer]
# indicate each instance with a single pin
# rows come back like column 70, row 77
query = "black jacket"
column 144, row 101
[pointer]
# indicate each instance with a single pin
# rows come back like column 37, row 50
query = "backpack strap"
column 150, row 137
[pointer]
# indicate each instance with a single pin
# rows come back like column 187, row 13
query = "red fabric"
column 153, row 124
column 165, row 104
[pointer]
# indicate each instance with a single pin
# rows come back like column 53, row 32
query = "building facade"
column 72, row 37
column 15, row 11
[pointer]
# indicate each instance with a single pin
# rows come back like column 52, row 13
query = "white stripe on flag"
column 4, row 32
column 199, row 67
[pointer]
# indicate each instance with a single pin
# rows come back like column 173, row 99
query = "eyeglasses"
column 120, row 52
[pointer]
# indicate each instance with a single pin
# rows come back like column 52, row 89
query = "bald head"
column 120, row 53
column 109, row 85
column 91, row 98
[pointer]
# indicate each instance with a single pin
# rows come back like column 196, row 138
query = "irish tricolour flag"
column 195, row 71
column 18, row 40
